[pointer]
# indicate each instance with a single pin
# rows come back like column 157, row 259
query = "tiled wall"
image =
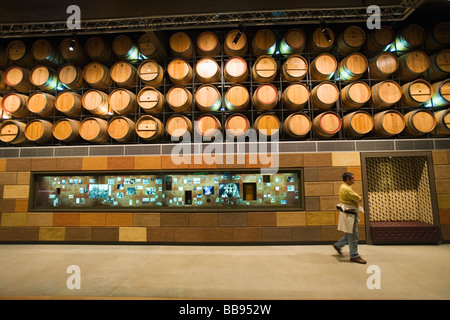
column 317, row 223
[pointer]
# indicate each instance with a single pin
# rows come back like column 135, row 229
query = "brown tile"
column 247, row 234
column 205, row 161
column 445, row 230
column 362, row 233
column 8, row 178
column 236, row 161
column 257, row 160
column 317, row 160
column 143, row 219
column 312, row 203
column 442, row 172
column 147, row 162
column 291, row 218
column 7, row 205
column 21, row 205
column 277, row 234
column 78, row 234
column 218, row 234
column 306, row 234
column 119, row 219
column 444, row 216
column 94, row 163
column 291, row 160
column 18, row 165
column 43, row 164
column 319, row 189
column 442, row 186
column 439, row 157
column 189, row 234
column 92, row 219
column 203, row 219
column 23, row 177
column 68, row 163
column 66, row 219
column 1, row 191
column 107, row 234
column 120, row 163
column 311, row 174
column 232, row 219
column 6, row 233
column 174, row 219
column 160, row 234
column 330, row 233
column 167, row 163
column 328, row 203
column 331, row 173
column 261, row 219
column 25, row 234
column 41, row 219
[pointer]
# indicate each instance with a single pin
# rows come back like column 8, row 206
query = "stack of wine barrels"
column 331, row 82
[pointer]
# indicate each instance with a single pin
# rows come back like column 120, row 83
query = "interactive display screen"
column 166, row 191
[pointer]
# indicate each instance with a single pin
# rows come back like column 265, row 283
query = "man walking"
column 349, row 218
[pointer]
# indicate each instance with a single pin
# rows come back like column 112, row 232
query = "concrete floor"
column 223, row 272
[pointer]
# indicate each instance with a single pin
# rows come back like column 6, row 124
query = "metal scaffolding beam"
column 251, row 18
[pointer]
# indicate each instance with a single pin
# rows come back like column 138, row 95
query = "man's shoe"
column 358, row 259
column 337, row 249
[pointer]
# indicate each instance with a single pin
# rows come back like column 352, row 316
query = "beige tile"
column 133, row 234
column 40, row 219
column 442, row 172
column 319, row 188
column 317, row 160
column 320, row 218
column 440, row 157
column 343, row 159
column 51, row 233
column 14, row 219
column 23, row 177
column 285, row 219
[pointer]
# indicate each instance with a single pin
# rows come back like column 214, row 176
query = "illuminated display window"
column 173, row 191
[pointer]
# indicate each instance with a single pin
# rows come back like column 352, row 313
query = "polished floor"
column 223, row 272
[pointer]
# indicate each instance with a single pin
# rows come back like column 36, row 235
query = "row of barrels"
column 264, row 42
column 264, row 70
column 297, row 125
column 208, row 98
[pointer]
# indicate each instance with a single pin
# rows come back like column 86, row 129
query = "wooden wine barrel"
column 181, row 45
column 379, row 39
column 355, row 95
column 44, row 78
column 125, row 49
column 124, row 74
column 42, row 104
column 178, row 125
column 18, row 78
column 419, row 122
column 16, row 104
column 409, row 38
column 179, row 71
column 357, row 124
column 327, row 124
column 66, row 130
column 236, row 125
column 122, row 101
column 150, row 47
column 412, row 65
column 149, row 128
column 323, row 67
column 415, row 93
column 293, row 42
column 151, row 73
column 267, row 124
column 264, row 69
column 353, row 66
column 99, row 50
column 96, row 102
column 150, row 100
column 265, row 97
column 39, row 131
column 441, row 93
column 442, row 122
column 97, row 76
column 439, row 66
column 121, row 129
column 69, row 103
column 71, row 76
column 324, row 95
column 208, row 44
column 295, row 96
column 207, row 70
column 208, row 126
column 264, row 42
column 350, row 40
column 208, row 98
column 13, row 132
column 235, row 43
column 388, row 123
column 76, row 55
column 294, row 68
column 19, row 54
column 297, row 125
column 385, row 94
column 439, row 38
column 383, row 65
column 94, row 130
column 46, row 53
column 236, row 70
column 179, row 99
column 237, row 98
column 3, row 85
column 319, row 43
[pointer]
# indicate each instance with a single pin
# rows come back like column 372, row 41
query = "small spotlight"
column 72, row 44
column 236, row 39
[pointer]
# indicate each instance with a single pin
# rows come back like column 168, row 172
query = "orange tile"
column 94, row 163
column 66, row 219
column 147, row 162
column 120, row 163
column 92, row 219
column 21, row 205
column 119, row 219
